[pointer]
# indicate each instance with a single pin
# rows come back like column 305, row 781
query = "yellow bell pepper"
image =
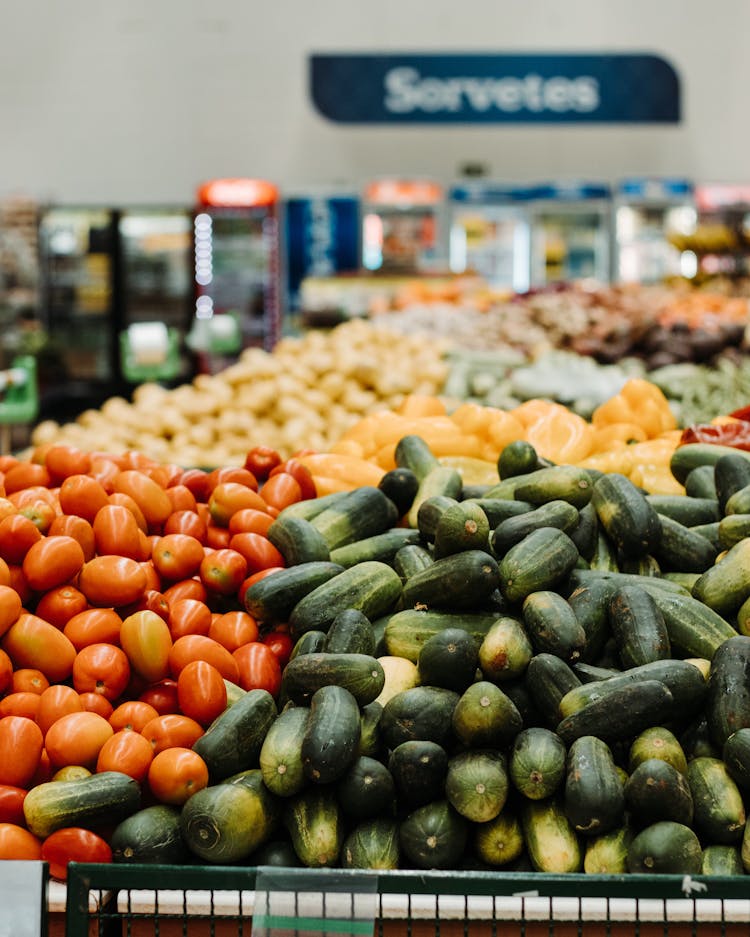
column 639, row 402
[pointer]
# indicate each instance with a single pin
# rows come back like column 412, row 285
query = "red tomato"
column 6, row 672
column 201, row 692
column 18, row 582
column 73, row 844
column 25, row 475
column 197, row 482
column 281, row 644
column 145, row 638
column 260, row 460
column 17, row 533
column 150, row 497
column 56, row 701
column 125, row 501
column 177, row 556
column 172, row 730
column 103, row 469
column 112, row 581
column 281, row 490
column 217, row 538
column 34, row 642
column 17, row 843
column 52, row 561
column 151, row 601
column 10, row 608
column 4, row 573
column 82, row 495
column 187, row 589
column 259, row 668
column 189, row 616
column 132, row 715
column 182, row 499
column 229, row 497
column 257, row 550
column 60, row 604
column 29, row 680
column 250, row 520
column 255, row 577
column 101, row 668
column 186, row 522
column 93, row 626
column 222, row 571
column 153, row 579
column 21, row 703
column 233, row 629
column 303, row 475
column 70, row 525
column 176, row 774
column 63, row 461
column 162, row 696
column 11, row 804
column 198, row 647
column 116, row 531
column 126, row 751
column 39, row 512
column 21, row 743
column 76, row 739
column 96, row 703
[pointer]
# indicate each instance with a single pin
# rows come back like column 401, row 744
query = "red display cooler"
column 236, row 271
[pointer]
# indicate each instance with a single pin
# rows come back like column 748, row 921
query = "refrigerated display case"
column 490, row 233
column 403, row 227
column 570, row 232
column 650, row 214
column 236, row 242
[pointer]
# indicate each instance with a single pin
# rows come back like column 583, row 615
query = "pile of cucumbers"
column 551, row 673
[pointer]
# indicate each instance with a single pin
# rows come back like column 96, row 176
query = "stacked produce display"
column 472, row 638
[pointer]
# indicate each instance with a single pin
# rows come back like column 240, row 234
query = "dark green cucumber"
column 594, row 673
column 496, row 510
column 722, row 860
column 665, row 848
column 688, row 457
column 585, row 533
column 311, row 642
column 739, row 502
column 719, row 812
column 725, row 585
column 461, row 580
column 476, row 785
column 440, row 480
column 552, row 625
column 621, row 714
column 271, row 599
column 696, row 741
column 360, row 674
column 517, row 458
column 449, row 659
column 555, row 483
column 410, row 559
column 372, row 587
column 657, row 742
column 316, row 827
column 604, row 555
column 686, row 510
column 366, row 790
column 150, row 836
column 413, row 453
column 433, row 836
column 682, row 549
column 382, row 547
column 551, row 842
column 693, row 627
column 593, row 796
column 400, row 485
column 500, row 841
column 281, row 753
column 407, row 631
column 548, row 679
column 351, row 632
column 429, row 513
column 106, row 797
column 711, row 533
column 369, row 735
column 275, row 852
column 540, row 561
column 311, row 507
column 506, row 650
column 628, row 519
column 656, row 790
column 731, row 474
column 638, row 627
column 331, row 737
column 537, row 762
column 728, row 699
column 422, row 713
column 462, row 526
column 419, row 769
column 700, row 483
column 363, row 512
column 644, row 565
column 372, row 844
column 735, row 754
column 607, row 854
column 298, row 541
column 590, row 604
column 485, row 717
column 234, row 739
column 731, row 529
column 508, row 533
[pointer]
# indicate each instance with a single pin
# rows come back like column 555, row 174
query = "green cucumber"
column 722, row 860
column 429, row 513
column 331, row 737
column 518, row 457
column 603, row 557
column 621, row 714
column 372, row 587
column 411, row 559
column 272, row 598
column 540, row 561
column 607, row 854
column 628, row 519
column 667, row 848
column 506, row 650
column 728, row 699
column 440, row 480
column 555, row 483
column 700, row 483
column 731, row 474
column 657, row 742
column 688, row 511
column 712, row 533
column 688, row 457
column 499, row 841
column 362, row 512
column 719, row 811
column 485, row 717
column 407, row 631
column 590, row 605
column 638, row 627
column 548, row 679
column 413, row 453
column 731, row 529
column 372, row 844
column 369, row 734
column 735, row 754
column 593, row 795
column 418, row 768
column 551, row 841
column 366, row 790
column 281, row 753
column 560, row 514
column 433, row 836
column 656, row 790
column 496, row 510
column 298, row 541
column 311, row 642
column 400, row 485
column 422, row 713
column 693, row 627
column 382, row 547
column 106, row 797
column 459, row 581
column 725, row 586
column 150, row 836
column 476, row 785
column 585, row 532
column 462, row 526
column 449, row 659
column 316, row 827
column 552, row 626
column 360, row 674
column 683, row 549
column 351, row 632
column 537, row 762
column 311, row 507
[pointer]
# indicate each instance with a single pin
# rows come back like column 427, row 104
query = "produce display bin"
column 106, row 900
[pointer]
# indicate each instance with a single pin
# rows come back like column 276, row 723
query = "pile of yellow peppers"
column 634, row 433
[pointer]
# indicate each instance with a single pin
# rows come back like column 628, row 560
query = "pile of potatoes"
column 304, row 394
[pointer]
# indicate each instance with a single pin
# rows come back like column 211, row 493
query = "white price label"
column 22, row 898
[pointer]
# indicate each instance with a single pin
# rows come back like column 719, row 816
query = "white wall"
column 138, row 101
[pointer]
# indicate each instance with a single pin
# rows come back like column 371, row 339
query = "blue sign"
column 492, row 89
